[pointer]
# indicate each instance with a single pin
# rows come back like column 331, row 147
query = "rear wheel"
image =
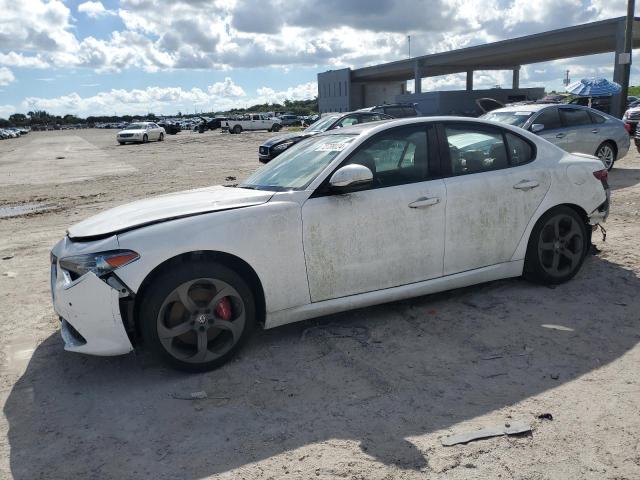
column 607, row 153
column 276, row 127
column 197, row 316
column 237, row 129
column 557, row 247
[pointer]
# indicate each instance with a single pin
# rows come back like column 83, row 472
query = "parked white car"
column 351, row 217
column 252, row 121
column 140, row 132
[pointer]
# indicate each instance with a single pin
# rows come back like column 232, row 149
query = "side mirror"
column 537, row 127
column 351, row 176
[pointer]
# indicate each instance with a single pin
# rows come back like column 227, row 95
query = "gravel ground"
column 367, row 394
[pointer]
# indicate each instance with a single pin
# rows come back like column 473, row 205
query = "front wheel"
column 145, row 139
column 557, row 247
column 197, row 316
column 161, row 137
column 607, row 153
column 276, row 127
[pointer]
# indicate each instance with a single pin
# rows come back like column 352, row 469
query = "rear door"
column 493, row 187
column 553, row 130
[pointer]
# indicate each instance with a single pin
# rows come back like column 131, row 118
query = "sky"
column 167, row 56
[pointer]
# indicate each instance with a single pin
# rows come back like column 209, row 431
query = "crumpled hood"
column 167, row 207
column 288, row 136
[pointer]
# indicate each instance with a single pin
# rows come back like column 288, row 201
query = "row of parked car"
column 574, row 128
column 12, row 132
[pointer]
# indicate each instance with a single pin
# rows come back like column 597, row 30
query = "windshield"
column 514, row 117
column 136, row 126
column 323, row 124
column 298, row 166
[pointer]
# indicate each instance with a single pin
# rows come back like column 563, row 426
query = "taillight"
column 601, row 175
column 627, row 127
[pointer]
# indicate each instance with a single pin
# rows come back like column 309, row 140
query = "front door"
column 494, row 188
column 387, row 235
column 553, row 130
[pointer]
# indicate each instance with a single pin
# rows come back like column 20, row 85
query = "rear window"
column 595, row 118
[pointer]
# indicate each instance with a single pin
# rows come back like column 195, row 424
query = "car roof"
column 374, row 127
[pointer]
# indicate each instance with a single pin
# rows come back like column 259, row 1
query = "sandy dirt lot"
column 368, row 394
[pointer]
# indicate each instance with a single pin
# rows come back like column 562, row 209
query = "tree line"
column 41, row 117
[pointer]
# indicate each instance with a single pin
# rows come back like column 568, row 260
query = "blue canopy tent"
column 593, row 87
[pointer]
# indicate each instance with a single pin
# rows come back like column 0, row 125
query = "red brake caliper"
column 223, row 309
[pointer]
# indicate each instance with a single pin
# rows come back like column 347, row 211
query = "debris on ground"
column 230, row 178
column 555, row 376
column 201, row 395
column 545, row 416
column 10, row 274
column 557, row 327
column 8, row 257
column 359, row 334
column 511, row 428
column 60, row 158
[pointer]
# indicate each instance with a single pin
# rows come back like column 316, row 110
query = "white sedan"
column 140, row 132
column 349, row 218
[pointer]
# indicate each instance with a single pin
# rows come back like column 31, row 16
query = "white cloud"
column 6, row 110
column 94, row 9
column 14, row 59
column 6, row 76
column 166, row 100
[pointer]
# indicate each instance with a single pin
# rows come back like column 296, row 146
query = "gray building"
column 347, row 89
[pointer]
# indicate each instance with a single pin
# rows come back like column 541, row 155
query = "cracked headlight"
column 100, row 263
column 282, row 146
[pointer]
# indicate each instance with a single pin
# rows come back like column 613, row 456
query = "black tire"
column 145, row 139
column 121, row 143
column 161, row 137
column 276, row 127
column 608, row 153
column 163, row 288
column 237, row 129
column 557, row 247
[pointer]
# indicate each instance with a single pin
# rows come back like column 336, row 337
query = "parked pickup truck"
column 252, row 121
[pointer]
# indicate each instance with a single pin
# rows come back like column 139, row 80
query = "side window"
column 595, row 118
column 255, row 117
column 574, row 117
column 348, row 121
column 474, row 149
column 396, row 112
column 520, row 151
column 395, row 157
column 369, row 118
column 550, row 118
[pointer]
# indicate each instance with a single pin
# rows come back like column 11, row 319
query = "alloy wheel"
column 201, row 320
column 561, row 245
column 606, row 154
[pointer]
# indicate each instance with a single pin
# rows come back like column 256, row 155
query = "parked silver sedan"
column 573, row 128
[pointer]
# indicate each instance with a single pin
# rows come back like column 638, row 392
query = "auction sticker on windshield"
column 331, row 147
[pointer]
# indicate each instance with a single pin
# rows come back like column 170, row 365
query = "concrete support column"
column 516, row 78
column 618, row 70
column 417, row 78
column 469, row 80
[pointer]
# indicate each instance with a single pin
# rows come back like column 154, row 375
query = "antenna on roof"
column 409, row 42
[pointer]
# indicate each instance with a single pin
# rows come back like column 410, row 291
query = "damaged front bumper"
column 89, row 310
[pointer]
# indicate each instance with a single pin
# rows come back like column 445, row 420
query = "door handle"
column 526, row 185
column 561, row 135
column 595, row 130
column 424, row 202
